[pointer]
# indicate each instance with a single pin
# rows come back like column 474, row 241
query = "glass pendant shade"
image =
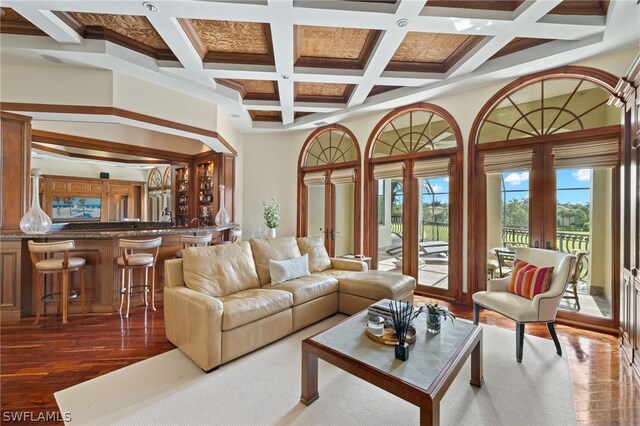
column 222, row 217
column 36, row 220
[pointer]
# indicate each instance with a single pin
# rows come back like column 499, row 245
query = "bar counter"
column 99, row 247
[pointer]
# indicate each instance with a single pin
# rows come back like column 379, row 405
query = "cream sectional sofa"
column 219, row 302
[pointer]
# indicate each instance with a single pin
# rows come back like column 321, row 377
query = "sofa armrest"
column 193, row 322
column 173, row 276
column 498, row 284
column 348, row 264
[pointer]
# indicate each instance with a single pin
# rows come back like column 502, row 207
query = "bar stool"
column 56, row 265
column 131, row 260
column 193, row 241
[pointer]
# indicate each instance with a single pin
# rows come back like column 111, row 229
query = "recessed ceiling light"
column 285, row 77
column 53, row 59
column 150, row 6
column 402, row 22
column 235, row 116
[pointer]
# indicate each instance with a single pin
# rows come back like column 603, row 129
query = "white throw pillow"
column 285, row 270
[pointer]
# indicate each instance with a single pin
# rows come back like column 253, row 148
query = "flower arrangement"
column 271, row 213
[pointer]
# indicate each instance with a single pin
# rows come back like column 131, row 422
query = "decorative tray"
column 389, row 337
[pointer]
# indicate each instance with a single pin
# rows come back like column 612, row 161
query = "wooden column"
column 15, row 163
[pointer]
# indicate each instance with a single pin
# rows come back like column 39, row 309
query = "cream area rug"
column 263, row 388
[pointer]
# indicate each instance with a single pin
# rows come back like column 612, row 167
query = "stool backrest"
column 39, row 250
column 140, row 244
column 195, row 240
column 51, row 247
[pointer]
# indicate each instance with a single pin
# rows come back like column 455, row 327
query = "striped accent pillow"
column 527, row 280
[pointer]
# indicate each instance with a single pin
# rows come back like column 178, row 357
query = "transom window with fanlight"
column 414, row 132
column 549, row 107
column 329, row 190
column 414, row 197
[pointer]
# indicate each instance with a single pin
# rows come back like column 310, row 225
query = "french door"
column 558, row 196
column 419, row 223
column 331, row 211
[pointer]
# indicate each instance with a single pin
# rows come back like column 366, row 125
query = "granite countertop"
column 114, row 233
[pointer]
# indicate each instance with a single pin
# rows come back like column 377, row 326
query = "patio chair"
column 572, row 289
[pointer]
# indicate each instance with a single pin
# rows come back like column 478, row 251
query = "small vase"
column 434, row 323
column 402, row 351
column 222, row 217
column 271, row 232
column 36, row 220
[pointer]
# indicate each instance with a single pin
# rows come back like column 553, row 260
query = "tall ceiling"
column 284, row 64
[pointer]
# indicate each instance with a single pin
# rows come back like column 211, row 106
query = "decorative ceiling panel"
column 11, row 22
column 330, row 47
column 376, row 90
column 330, row 58
column 257, row 115
column 232, row 42
column 581, row 7
column 518, row 44
column 253, row 89
column 137, row 28
column 322, row 92
column 131, row 31
column 509, row 5
column 431, row 52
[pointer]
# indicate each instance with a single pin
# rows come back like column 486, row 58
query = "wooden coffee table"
column 440, row 357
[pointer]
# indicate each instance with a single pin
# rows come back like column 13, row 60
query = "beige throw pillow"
column 318, row 257
column 280, row 248
column 285, row 270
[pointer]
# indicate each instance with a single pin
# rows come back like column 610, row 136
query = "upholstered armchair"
column 541, row 308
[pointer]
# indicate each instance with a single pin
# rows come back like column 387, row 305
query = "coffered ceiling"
column 290, row 64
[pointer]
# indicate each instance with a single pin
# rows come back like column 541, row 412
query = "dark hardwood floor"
column 37, row 361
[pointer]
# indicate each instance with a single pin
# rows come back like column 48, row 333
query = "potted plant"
column 435, row 314
column 271, row 215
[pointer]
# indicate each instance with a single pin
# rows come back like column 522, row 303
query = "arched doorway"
column 413, row 208
column 544, row 164
column 329, row 189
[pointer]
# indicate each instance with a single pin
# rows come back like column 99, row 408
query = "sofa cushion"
column 335, row 273
column 247, row 306
column 220, row 270
column 318, row 257
column 280, row 248
column 285, row 270
column 377, row 285
column 308, row 287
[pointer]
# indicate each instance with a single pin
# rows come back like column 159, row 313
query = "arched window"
column 550, row 106
column 413, row 195
column 329, row 189
column 543, row 158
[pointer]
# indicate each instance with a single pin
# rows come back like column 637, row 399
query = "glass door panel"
column 433, row 232
column 583, row 227
column 390, row 224
column 344, row 226
column 316, row 211
column 507, row 219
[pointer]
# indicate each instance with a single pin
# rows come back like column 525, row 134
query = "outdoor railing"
column 565, row 241
column 511, row 237
column 429, row 230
